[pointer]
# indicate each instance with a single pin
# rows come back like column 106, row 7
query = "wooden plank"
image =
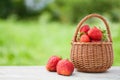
column 40, row 73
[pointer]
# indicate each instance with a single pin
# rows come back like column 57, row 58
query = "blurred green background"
column 33, row 30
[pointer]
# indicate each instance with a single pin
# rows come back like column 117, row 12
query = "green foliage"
column 20, row 9
column 5, row 8
column 60, row 10
column 32, row 43
column 74, row 10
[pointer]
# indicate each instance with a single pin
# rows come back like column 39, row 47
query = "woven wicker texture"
column 92, row 56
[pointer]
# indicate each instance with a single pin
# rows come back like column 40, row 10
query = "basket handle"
column 86, row 18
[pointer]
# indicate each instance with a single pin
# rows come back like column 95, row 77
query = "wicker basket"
column 92, row 56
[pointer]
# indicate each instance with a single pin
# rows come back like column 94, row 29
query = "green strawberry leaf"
column 79, row 35
column 104, row 37
column 104, row 32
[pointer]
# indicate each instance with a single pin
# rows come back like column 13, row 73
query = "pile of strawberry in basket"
column 94, row 34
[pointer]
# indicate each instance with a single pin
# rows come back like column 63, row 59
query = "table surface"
column 40, row 73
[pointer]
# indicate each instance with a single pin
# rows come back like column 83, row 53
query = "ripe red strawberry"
column 65, row 67
column 85, row 28
column 84, row 38
column 52, row 63
column 95, row 34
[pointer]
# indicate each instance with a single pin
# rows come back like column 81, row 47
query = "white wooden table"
column 40, row 73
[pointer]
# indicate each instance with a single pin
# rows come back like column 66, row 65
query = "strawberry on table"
column 52, row 63
column 65, row 67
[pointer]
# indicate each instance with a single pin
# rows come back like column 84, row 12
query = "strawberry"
column 65, row 67
column 95, row 34
column 84, row 38
column 85, row 28
column 52, row 63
